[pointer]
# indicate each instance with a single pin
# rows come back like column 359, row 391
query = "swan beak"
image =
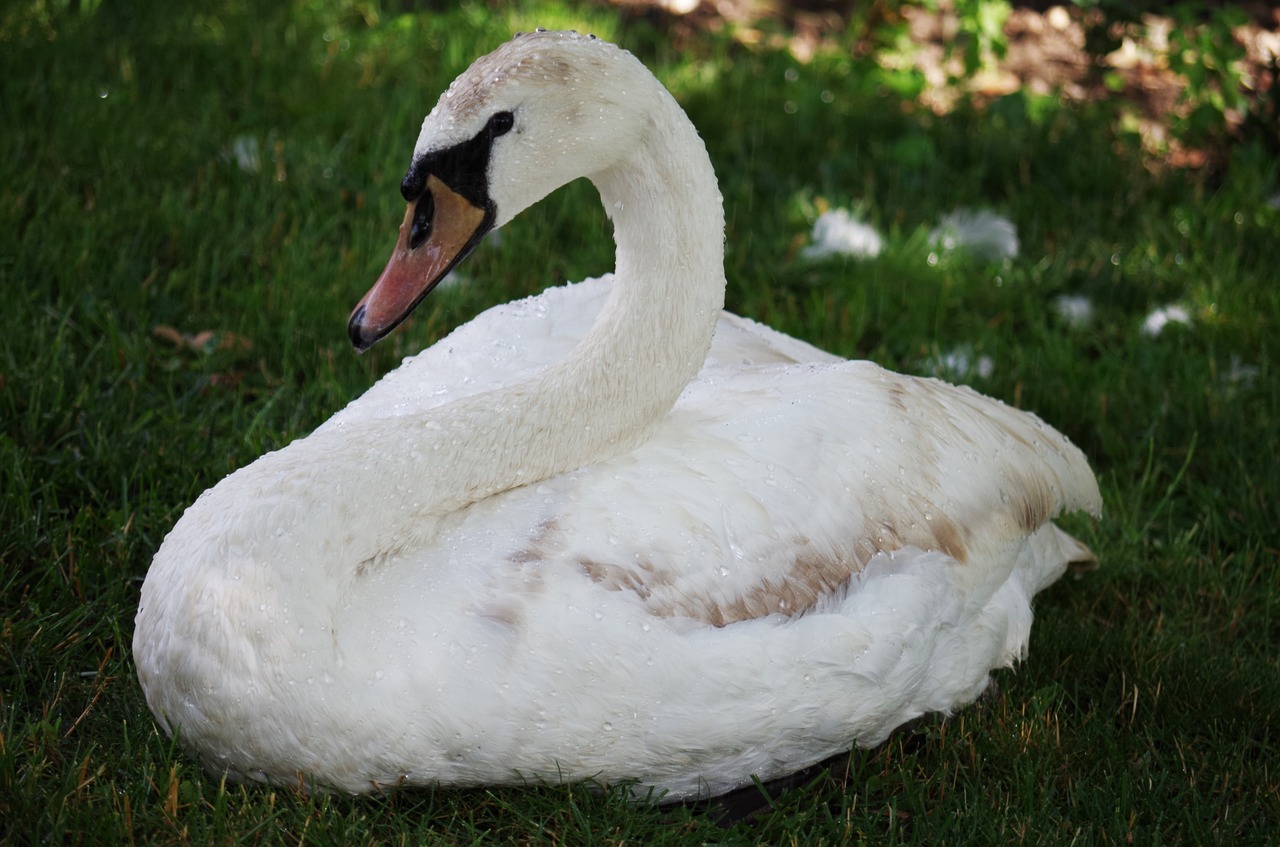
column 440, row 228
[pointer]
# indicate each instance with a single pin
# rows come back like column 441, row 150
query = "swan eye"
column 501, row 123
column 423, row 212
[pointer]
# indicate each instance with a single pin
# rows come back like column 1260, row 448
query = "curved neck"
column 653, row 334
column 650, row 339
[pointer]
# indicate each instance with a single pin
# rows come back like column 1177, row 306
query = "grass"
column 1146, row 711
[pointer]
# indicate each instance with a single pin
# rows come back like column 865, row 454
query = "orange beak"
column 427, row 249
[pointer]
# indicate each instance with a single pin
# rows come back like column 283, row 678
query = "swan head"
column 540, row 111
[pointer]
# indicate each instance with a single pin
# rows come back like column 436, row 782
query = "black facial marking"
column 463, row 167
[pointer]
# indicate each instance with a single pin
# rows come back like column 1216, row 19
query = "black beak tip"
column 355, row 331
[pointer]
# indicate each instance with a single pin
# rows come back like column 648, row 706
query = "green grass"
column 1147, row 708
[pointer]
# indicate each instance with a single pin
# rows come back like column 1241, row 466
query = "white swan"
column 566, row 542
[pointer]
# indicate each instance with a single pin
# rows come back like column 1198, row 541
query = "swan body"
column 608, row 532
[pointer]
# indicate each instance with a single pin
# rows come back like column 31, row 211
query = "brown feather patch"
column 811, row 575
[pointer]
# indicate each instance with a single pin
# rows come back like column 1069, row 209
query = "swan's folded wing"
column 742, row 341
column 767, row 490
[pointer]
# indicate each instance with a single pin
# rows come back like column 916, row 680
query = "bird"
column 609, row 533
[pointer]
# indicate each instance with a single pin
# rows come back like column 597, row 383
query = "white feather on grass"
column 982, row 233
column 839, row 233
column 1161, row 317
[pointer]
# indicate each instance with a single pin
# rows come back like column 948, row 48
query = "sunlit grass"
column 167, row 172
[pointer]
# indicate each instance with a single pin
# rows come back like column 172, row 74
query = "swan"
column 606, row 533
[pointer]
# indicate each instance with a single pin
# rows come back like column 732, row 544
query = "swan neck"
column 650, row 339
column 656, row 328
column 652, row 335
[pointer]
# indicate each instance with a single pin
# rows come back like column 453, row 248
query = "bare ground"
column 1049, row 49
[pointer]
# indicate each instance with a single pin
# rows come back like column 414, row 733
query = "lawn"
column 193, row 197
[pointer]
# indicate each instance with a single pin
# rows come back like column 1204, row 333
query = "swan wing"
column 741, row 341
column 769, row 488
